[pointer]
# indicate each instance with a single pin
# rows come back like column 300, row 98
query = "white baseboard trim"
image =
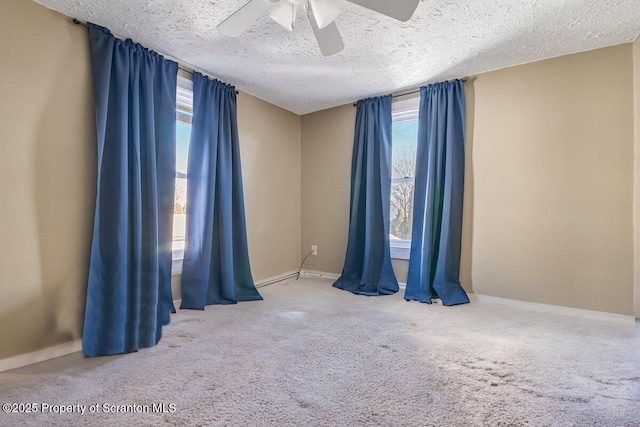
column 40, row 355
column 559, row 309
column 275, row 279
column 549, row 308
column 44, row 354
column 319, row 274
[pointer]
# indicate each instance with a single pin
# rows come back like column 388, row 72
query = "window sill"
column 176, row 264
column 400, row 249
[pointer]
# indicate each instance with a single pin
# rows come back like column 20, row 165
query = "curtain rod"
column 84, row 24
column 412, row 92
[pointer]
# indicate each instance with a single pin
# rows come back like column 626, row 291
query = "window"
column 184, row 113
column 403, row 166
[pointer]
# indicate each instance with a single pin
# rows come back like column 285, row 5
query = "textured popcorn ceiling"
column 445, row 39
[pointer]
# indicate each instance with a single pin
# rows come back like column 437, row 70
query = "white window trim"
column 404, row 110
column 177, row 257
column 184, row 98
column 400, row 249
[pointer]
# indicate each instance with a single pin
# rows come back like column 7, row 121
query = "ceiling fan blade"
column 401, row 10
column 324, row 12
column 245, row 17
column 285, row 14
column 329, row 39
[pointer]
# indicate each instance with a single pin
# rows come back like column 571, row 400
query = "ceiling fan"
column 321, row 14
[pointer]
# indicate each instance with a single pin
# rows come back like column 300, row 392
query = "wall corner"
column 636, row 177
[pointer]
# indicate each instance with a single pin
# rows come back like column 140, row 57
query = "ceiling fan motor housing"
column 324, row 12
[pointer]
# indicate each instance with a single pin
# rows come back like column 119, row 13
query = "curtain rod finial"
column 78, row 22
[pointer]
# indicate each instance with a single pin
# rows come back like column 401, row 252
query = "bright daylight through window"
column 403, row 158
column 183, row 132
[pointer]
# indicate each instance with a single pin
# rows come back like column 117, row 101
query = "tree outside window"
column 403, row 162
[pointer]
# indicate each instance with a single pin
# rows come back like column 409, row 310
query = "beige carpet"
column 311, row 355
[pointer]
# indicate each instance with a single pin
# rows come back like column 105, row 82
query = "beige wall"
column 48, row 167
column 636, row 197
column 553, row 182
column 549, row 181
column 327, row 142
column 270, row 148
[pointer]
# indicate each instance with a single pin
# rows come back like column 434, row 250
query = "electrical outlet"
column 314, row 250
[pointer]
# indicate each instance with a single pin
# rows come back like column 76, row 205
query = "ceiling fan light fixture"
column 324, row 12
column 285, row 14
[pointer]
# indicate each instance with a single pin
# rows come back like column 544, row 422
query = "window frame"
column 403, row 111
column 184, row 113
